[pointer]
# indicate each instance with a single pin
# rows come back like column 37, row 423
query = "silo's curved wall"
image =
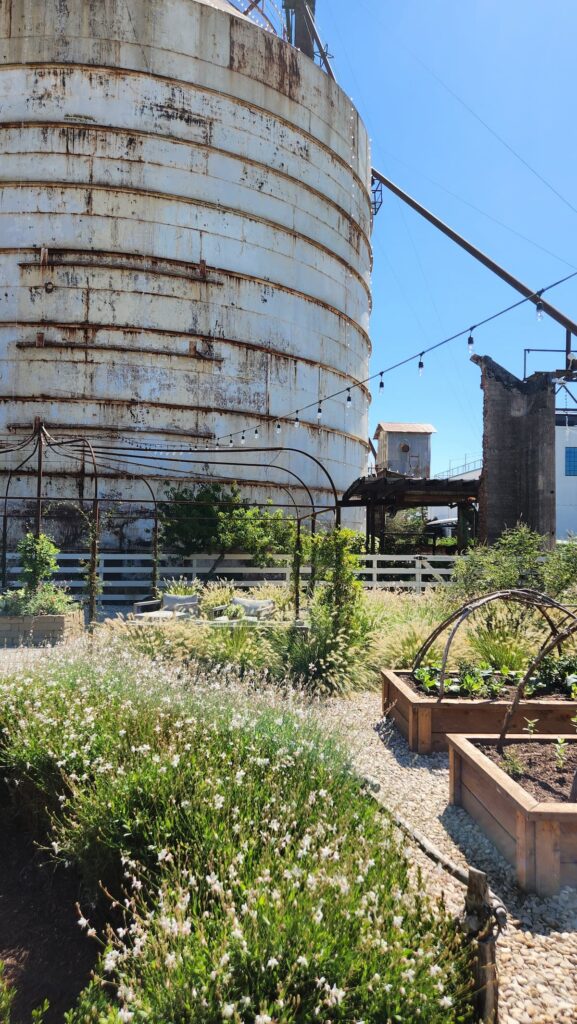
column 184, row 236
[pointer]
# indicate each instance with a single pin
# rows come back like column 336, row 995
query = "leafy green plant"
column 560, row 570
column 556, row 674
column 531, row 726
column 47, row 599
column 428, row 678
column 515, row 560
column 210, row 518
column 560, row 752
column 38, row 560
column 512, row 764
column 6, row 996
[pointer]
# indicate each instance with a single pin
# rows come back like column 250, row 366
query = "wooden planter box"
column 539, row 839
column 40, row 630
column 426, row 721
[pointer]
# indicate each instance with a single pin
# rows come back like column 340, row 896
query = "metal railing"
column 126, row 578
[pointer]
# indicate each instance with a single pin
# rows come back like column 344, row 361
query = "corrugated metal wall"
column 201, row 191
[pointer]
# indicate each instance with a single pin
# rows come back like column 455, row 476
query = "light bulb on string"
column 539, row 311
column 278, row 427
column 421, row 364
column 256, row 433
column 242, row 438
column 471, row 342
column 381, row 383
column 297, row 422
column 217, row 443
column 319, row 413
column 231, row 442
column 349, row 400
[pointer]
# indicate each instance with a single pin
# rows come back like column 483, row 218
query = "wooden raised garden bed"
column 40, row 630
column 426, row 721
column 539, row 838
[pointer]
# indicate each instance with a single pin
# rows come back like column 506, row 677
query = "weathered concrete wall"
column 518, row 478
column 184, row 237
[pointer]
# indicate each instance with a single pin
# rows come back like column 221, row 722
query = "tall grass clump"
column 254, row 878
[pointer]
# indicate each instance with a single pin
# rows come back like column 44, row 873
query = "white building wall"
column 566, row 438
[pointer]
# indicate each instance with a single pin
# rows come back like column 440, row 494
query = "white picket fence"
column 126, row 578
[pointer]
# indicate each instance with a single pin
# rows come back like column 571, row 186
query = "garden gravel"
column 537, row 955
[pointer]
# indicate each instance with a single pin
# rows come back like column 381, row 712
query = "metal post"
column 297, row 570
column 568, row 337
column 155, row 531
column 39, row 481
column 313, row 576
column 94, row 532
column 4, row 549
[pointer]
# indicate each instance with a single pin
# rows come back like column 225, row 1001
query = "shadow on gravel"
column 45, row 953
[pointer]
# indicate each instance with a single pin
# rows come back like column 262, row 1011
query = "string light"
column 320, row 412
column 409, row 359
column 471, row 342
column 256, row 433
column 231, row 442
column 242, row 438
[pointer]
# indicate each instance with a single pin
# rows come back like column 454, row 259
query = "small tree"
column 211, row 518
column 38, row 558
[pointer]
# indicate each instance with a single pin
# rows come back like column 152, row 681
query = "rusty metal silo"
column 184, row 236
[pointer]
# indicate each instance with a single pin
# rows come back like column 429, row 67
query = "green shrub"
column 6, row 997
column 262, row 882
column 38, row 558
column 515, row 560
column 46, row 599
column 560, row 570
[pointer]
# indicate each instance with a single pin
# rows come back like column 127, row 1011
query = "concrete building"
column 404, row 448
column 185, row 220
column 518, row 477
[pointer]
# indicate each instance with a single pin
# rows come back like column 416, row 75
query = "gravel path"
column 537, row 956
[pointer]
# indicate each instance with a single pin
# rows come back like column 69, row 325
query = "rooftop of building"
column 404, row 428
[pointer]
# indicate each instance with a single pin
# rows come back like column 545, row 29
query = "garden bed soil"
column 540, row 774
column 45, row 953
column 425, row 722
column 535, row 833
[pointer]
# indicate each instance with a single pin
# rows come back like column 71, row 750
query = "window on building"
column 571, row 462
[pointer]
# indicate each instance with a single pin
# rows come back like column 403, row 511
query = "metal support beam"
column 533, row 296
column 321, row 48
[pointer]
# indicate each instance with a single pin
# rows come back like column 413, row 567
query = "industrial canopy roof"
column 404, row 428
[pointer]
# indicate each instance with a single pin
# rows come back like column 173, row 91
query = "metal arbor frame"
column 126, row 460
column 530, row 598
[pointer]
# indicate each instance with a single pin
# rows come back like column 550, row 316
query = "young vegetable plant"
column 560, row 753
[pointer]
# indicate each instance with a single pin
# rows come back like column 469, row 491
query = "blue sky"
column 512, row 61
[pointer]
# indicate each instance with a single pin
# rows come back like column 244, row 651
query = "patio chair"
column 255, row 609
column 168, row 606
